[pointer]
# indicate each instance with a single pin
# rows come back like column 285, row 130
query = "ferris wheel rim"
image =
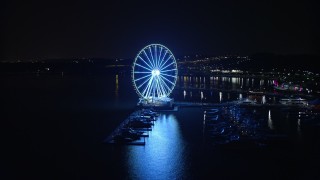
column 154, row 66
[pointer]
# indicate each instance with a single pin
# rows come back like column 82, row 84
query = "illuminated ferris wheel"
column 154, row 72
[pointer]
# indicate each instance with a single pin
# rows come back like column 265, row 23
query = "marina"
column 223, row 123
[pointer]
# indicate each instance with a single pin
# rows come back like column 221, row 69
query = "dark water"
column 53, row 128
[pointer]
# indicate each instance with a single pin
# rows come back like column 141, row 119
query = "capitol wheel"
column 154, row 72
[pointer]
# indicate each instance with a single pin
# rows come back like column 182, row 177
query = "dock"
column 136, row 143
column 141, row 141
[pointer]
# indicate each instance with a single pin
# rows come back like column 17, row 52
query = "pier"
column 239, row 102
column 140, row 132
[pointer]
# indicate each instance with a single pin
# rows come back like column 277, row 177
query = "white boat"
column 293, row 101
column 247, row 102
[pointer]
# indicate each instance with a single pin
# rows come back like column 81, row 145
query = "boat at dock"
column 129, row 132
column 293, row 101
column 149, row 112
column 123, row 140
column 138, row 123
column 134, row 129
column 246, row 102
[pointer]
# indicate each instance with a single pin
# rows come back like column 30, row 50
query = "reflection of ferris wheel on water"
column 154, row 72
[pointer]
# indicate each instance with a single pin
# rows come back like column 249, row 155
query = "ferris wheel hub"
column 155, row 72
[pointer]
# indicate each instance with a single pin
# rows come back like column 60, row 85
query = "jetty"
column 143, row 116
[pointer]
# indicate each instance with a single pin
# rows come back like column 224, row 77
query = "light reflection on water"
column 170, row 152
column 270, row 122
column 263, row 101
column 209, row 91
column 164, row 155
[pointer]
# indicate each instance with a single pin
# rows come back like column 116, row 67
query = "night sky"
column 105, row 29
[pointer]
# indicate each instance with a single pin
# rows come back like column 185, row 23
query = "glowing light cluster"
column 154, row 72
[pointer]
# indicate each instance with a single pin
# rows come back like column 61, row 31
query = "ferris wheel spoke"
column 165, row 62
column 139, row 72
column 147, row 87
column 167, row 79
column 163, row 93
column 151, row 88
column 164, row 57
column 148, row 58
column 165, row 84
column 143, row 83
column 162, row 86
column 154, row 64
column 162, row 68
column 157, row 88
column 156, row 56
column 160, row 55
column 143, row 67
column 161, row 62
column 168, row 75
column 142, row 77
column 159, row 91
column 145, row 62
column 168, row 70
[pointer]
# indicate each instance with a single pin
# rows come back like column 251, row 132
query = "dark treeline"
column 67, row 66
column 268, row 62
column 265, row 62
